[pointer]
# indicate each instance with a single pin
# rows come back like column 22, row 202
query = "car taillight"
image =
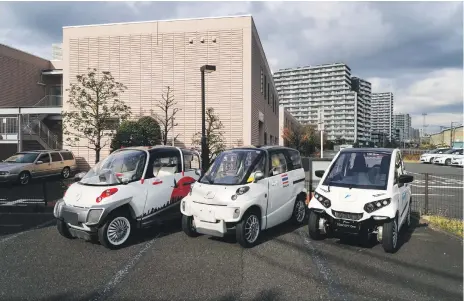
column 106, row 193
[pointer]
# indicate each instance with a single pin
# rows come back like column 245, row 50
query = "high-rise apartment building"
column 305, row 90
column 382, row 113
column 403, row 123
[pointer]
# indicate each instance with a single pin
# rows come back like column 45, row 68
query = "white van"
column 248, row 190
column 364, row 191
column 133, row 187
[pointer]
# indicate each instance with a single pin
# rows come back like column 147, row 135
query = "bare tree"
column 167, row 117
column 96, row 110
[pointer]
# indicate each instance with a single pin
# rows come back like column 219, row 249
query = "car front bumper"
column 8, row 178
column 83, row 219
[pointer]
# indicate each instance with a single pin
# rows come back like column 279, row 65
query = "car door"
column 57, row 163
column 42, row 169
column 280, row 189
column 402, row 189
column 164, row 170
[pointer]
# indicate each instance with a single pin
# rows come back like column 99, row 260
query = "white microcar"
column 364, row 192
column 246, row 190
column 132, row 188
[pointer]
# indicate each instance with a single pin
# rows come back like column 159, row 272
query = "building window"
column 262, row 81
column 268, row 100
column 265, row 81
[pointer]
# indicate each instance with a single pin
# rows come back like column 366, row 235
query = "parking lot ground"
column 164, row 264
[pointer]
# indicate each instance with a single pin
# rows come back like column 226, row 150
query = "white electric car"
column 132, row 188
column 447, row 157
column 364, row 192
column 248, row 190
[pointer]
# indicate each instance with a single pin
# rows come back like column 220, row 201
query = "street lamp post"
column 204, row 147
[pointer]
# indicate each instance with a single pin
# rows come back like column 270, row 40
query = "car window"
column 163, row 164
column 278, row 164
column 45, row 158
column 191, row 161
column 56, row 157
column 295, row 158
column 67, row 156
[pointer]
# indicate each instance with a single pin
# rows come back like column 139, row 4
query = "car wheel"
column 248, row 229
column 116, row 231
column 63, row 229
column 390, row 236
column 431, row 160
column 66, row 172
column 299, row 211
column 188, row 226
column 24, row 178
column 447, row 162
column 313, row 226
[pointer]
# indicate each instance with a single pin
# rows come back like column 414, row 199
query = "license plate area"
column 345, row 225
column 205, row 214
column 70, row 217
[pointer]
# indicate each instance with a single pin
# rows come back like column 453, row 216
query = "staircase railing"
column 50, row 101
column 37, row 128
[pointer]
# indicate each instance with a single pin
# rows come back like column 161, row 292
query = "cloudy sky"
column 413, row 49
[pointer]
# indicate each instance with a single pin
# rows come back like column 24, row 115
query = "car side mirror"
column 39, row 162
column 80, row 175
column 403, row 179
column 198, row 172
column 258, row 176
column 319, row 173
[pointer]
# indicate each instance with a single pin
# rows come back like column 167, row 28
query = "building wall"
column 149, row 56
column 444, row 137
column 382, row 113
column 19, row 74
column 286, row 121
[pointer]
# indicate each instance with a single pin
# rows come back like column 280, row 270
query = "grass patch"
column 453, row 226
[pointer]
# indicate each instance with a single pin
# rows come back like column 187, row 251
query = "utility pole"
column 423, row 128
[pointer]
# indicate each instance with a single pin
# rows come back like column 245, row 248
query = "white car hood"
column 85, row 196
column 351, row 200
column 219, row 194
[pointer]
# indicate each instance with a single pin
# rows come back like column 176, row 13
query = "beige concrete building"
column 286, row 121
column 448, row 138
column 149, row 56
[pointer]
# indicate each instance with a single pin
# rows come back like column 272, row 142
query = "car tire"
column 447, row 162
column 24, row 178
column 188, row 227
column 299, row 211
column 63, row 229
column 116, row 231
column 313, row 226
column 431, row 160
column 390, row 236
column 248, row 229
column 65, row 173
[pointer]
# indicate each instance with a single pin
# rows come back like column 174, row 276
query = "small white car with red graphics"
column 132, row 188
column 246, row 190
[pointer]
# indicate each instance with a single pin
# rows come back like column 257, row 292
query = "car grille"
column 347, row 215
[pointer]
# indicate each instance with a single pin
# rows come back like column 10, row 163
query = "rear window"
column 67, row 156
column 296, row 159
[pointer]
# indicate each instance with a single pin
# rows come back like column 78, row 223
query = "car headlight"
column 94, row 216
column 4, row 173
column 240, row 191
column 376, row 205
column 322, row 199
column 57, row 208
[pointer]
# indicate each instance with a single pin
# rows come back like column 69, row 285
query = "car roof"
column 367, row 150
column 264, row 147
column 147, row 148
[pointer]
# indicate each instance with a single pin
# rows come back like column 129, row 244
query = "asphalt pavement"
column 165, row 264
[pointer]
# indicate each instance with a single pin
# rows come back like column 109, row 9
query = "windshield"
column 450, row 151
column 234, row 166
column 362, row 170
column 22, row 158
column 120, row 167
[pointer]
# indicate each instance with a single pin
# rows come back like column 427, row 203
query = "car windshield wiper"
column 208, row 179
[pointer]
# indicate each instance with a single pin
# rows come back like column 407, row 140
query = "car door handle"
column 274, row 183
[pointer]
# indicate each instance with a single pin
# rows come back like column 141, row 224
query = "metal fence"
column 440, row 195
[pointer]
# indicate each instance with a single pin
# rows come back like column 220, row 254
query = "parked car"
column 445, row 158
column 132, row 188
column 246, row 190
column 429, row 156
column 459, row 162
column 364, row 192
column 27, row 165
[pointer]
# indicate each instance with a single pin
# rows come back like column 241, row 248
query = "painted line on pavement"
column 27, row 231
column 440, row 186
column 432, row 194
column 122, row 273
column 335, row 293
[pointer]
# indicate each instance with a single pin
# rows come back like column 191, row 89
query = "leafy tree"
column 167, row 117
column 303, row 138
column 96, row 110
column 214, row 135
column 143, row 132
